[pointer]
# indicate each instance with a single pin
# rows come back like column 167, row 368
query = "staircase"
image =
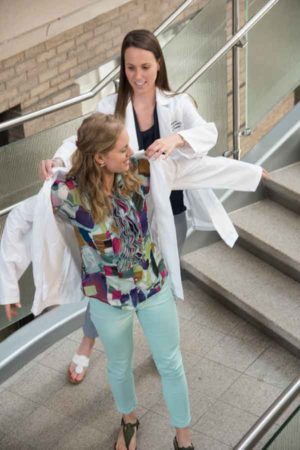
column 260, row 276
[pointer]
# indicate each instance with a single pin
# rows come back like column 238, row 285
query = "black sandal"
column 128, row 432
column 176, row 446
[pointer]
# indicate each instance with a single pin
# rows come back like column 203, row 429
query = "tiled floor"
column 234, row 373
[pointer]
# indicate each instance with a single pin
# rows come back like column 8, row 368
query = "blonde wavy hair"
column 98, row 134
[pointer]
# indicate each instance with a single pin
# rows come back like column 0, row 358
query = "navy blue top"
column 145, row 139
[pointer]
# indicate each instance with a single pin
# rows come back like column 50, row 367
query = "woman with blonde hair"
column 123, row 272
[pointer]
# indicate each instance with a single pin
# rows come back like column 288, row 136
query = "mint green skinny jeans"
column 159, row 320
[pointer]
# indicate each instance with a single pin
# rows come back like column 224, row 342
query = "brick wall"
column 45, row 74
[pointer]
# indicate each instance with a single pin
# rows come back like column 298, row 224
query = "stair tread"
column 258, row 286
column 288, row 177
column 273, row 225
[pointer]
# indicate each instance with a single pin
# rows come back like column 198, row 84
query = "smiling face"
column 141, row 68
column 116, row 160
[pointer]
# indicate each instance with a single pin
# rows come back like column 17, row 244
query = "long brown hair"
column 97, row 134
column 145, row 40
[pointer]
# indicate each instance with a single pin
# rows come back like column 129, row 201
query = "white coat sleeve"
column 66, row 150
column 15, row 253
column 200, row 135
column 212, row 173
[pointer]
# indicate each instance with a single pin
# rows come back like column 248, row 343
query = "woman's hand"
column 46, row 166
column 11, row 310
column 164, row 146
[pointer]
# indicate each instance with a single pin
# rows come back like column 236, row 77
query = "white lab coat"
column 54, row 252
column 176, row 114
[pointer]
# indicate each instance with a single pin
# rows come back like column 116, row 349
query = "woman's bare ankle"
column 130, row 418
column 86, row 346
column 184, row 436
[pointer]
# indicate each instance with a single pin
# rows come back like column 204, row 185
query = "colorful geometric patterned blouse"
column 120, row 263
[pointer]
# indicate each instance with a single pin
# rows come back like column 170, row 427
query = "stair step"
column 263, row 293
column 271, row 232
column 284, row 186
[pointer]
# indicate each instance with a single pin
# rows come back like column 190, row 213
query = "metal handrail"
column 268, row 418
column 229, row 44
column 95, row 90
column 5, row 211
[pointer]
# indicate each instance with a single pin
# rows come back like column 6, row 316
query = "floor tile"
column 49, row 349
column 211, row 379
column 16, row 377
column 199, row 339
column 13, row 409
column 186, row 309
column 155, row 433
column 43, row 428
column 74, row 401
column 96, row 373
column 83, row 438
column 207, row 311
column 38, row 383
column 203, row 442
column 189, row 360
column 9, row 442
column 251, row 395
column 247, row 332
column 103, row 415
column 236, row 353
column 275, row 366
column 225, row 423
column 199, row 403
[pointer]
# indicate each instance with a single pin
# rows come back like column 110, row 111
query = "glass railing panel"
column 192, row 47
column 19, row 162
column 273, row 57
column 287, row 437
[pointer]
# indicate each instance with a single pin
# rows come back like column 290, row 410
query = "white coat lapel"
column 163, row 113
column 130, row 127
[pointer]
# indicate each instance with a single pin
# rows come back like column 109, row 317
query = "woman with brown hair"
column 123, row 273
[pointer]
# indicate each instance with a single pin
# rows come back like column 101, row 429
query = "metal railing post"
column 235, row 82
